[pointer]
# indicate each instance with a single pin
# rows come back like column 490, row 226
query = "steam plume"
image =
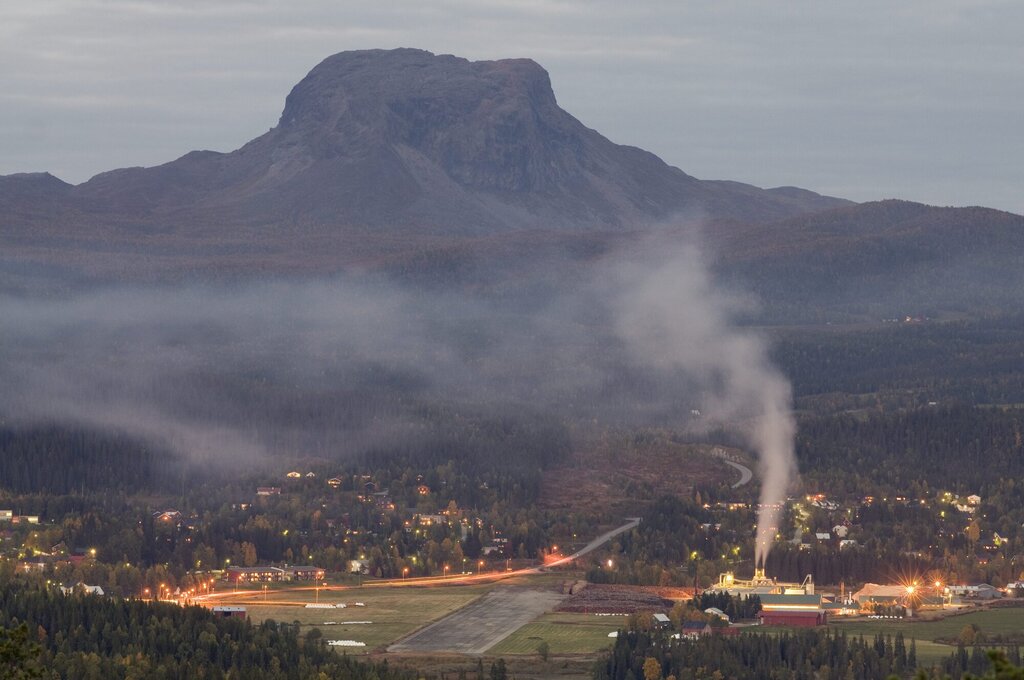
column 674, row 318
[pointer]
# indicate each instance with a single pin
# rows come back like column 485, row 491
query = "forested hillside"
column 801, row 655
column 81, row 637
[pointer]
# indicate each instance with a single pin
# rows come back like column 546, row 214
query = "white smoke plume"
column 672, row 316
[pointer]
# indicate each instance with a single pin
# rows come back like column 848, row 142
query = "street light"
column 405, row 572
column 445, row 575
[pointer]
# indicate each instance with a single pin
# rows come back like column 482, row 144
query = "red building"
column 792, row 610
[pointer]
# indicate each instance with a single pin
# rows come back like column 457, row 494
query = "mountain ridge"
column 432, row 166
column 404, row 138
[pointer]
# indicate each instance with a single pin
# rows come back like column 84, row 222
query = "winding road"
column 746, row 474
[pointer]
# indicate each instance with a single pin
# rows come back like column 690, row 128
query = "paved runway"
column 482, row 624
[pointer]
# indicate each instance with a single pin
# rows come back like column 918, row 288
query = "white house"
column 358, row 566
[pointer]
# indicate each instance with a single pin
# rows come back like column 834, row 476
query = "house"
column 978, row 591
column 6, row 515
column 310, row 475
column 847, row 543
column 82, row 588
column 692, row 630
column 715, row 611
column 168, row 516
column 304, row 573
column 268, row 491
column 253, row 574
column 334, row 482
column 294, row 474
column 33, row 565
column 820, row 502
column 423, row 489
column 230, row 612
column 662, row 621
column 974, row 499
column 431, row 520
column 27, row 519
column 823, row 536
column 841, row 530
column 359, row 566
column 792, row 610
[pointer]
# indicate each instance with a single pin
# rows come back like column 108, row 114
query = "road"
column 746, row 474
column 590, row 547
column 256, row 597
column 479, row 626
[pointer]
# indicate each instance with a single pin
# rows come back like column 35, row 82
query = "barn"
column 792, row 610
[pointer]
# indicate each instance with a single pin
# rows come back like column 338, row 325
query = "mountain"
column 377, row 151
column 881, row 259
column 442, row 170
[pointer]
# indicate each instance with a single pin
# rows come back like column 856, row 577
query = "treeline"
column 490, row 456
column 736, row 608
column 84, row 636
column 493, row 454
column 62, row 460
column 969, row 361
column 957, row 447
column 798, row 655
column 787, row 562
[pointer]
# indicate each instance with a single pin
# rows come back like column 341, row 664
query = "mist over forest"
column 327, row 367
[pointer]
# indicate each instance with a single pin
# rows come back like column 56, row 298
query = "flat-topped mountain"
column 439, row 168
column 396, row 143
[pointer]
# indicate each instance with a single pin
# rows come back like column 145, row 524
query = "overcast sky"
column 921, row 99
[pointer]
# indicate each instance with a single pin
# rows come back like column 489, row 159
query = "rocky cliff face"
column 406, row 142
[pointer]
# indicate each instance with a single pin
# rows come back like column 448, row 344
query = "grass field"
column 990, row 621
column 395, row 612
column 565, row 633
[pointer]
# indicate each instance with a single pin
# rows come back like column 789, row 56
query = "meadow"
column 394, row 612
column 565, row 633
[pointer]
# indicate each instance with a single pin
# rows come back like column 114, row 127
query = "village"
column 402, row 550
